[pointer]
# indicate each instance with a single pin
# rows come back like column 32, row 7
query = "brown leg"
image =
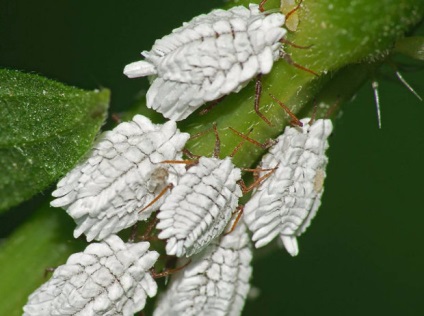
column 291, row 62
column 294, row 119
column 237, row 148
column 200, row 134
column 256, row 170
column 265, row 145
column 185, row 162
column 190, row 155
column 211, row 106
column 261, row 5
column 168, row 187
column 148, row 233
column 167, row 272
column 189, row 163
column 284, row 41
column 294, row 10
column 217, row 148
column 239, row 212
column 258, row 93
column 245, row 189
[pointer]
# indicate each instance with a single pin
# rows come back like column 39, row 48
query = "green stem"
column 350, row 40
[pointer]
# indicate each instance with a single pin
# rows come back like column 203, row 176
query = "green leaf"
column 45, row 241
column 344, row 33
column 45, row 127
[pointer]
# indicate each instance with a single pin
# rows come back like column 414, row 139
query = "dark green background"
column 364, row 253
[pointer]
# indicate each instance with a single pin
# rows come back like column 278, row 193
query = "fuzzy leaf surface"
column 45, row 127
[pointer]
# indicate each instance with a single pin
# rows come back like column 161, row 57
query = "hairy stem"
column 350, row 40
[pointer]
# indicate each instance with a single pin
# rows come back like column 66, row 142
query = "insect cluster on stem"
column 137, row 172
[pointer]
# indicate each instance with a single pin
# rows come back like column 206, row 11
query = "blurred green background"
column 363, row 254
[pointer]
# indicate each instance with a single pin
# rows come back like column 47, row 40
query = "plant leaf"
column 45, row 127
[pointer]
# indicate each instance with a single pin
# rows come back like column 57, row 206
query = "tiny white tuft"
column 139, row 69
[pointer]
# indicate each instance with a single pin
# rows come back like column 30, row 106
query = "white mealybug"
column 108, row 278
column 199, row 206
column 209, row 57
column 216, row 282
column 122, row 174
column 287, row 201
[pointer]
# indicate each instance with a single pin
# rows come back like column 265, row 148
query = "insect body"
column 211, row 56
column 215, row 283
column 120, row 176
column 108, row 278
column 199, row 206
column 286, row 203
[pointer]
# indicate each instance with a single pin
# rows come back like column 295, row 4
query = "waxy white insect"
column 209, row 57
column 108, row 278
column 288, row 200
column 216, row 282
column 199, row 206
column 121, row 175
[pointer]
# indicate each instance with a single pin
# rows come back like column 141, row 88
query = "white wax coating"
column 108, row 278
column 200, row 206
column 216, row 282
column 120, row 176
column 286, row 202
column 208, row 57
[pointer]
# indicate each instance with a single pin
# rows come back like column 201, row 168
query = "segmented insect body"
column 216, row 282
column 287, row 201
column 211, row 56
column 199, row 206
column 122, row 174
column 108, row 278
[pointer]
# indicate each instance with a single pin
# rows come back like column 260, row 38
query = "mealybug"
column 200, row 206
column 285, row 204
column 108, row 278
column 209, row 57
column 215, row 283
column 120, row 176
